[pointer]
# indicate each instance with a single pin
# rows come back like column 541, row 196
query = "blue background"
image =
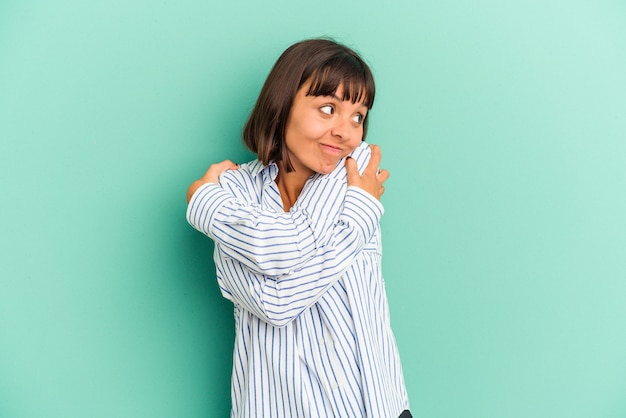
column 502, row 124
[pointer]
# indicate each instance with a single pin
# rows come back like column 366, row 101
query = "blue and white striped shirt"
column 313, row 336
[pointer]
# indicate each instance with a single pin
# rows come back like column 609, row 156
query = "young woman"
column 297, row 246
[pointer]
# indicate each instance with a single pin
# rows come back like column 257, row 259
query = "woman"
column 297, row 246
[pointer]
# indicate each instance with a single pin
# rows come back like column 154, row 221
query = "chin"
column 327, row 166
column 326, row 170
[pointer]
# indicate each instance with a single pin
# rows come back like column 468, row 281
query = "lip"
column 331, row 149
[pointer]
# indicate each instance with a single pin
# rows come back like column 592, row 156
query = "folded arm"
column 276, row 264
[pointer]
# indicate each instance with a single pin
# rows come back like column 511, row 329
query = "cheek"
column 356, row 138
column 307, row 129
column 316, row 129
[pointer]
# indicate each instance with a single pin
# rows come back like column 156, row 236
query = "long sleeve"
column 278, row 264
column 266, row 242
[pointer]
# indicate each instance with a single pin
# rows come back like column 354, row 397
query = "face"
column 321, row 130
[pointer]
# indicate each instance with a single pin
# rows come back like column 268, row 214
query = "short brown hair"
column 327, row 65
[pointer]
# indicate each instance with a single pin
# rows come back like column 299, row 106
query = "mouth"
column 331, row 149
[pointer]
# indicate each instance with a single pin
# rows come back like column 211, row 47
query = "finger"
column 216, row 170
column 352, row 170
column 231, row 165
column 226, row 165
column 383, row 175
column 372, row 166
column 220, row 167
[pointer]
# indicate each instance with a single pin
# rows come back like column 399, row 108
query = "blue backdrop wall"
column 502, row 123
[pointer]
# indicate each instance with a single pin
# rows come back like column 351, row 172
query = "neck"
column 290, row 185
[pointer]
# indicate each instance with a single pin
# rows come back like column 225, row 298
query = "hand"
column 211, row 176
column 372, row 178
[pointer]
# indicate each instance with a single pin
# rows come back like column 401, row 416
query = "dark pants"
column 406, row 414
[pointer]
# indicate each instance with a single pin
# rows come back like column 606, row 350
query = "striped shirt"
column 313, row 335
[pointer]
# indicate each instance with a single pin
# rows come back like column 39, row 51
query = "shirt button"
column 335, row 386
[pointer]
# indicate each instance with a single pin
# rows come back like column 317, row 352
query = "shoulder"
column 244, row 182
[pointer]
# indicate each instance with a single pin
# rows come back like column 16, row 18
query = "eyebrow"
column 334, row 96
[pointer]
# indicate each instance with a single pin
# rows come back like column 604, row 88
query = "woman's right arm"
column 276, row 274
column 278, row 243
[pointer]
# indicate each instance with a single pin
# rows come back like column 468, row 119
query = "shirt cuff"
column 364, row 209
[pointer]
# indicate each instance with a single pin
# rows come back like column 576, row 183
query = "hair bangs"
column 347, row 72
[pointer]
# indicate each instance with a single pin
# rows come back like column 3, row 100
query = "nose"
column 341, row 129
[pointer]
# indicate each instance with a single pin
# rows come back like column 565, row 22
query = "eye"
column 358, row 118
column 327, row 109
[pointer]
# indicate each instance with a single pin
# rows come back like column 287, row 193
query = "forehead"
column 341, row 92
column 345, row 83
